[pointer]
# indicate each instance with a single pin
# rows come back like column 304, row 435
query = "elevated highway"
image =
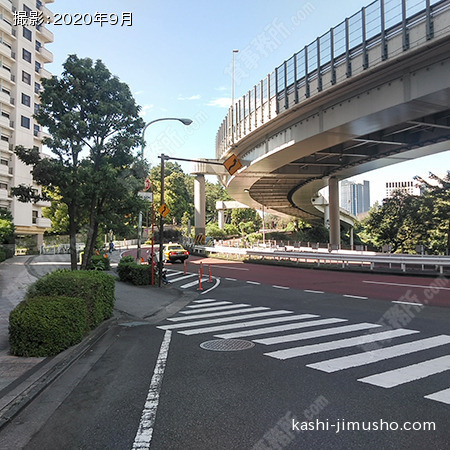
column 372, row 91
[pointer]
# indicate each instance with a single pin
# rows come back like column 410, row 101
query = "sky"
column 176, row 57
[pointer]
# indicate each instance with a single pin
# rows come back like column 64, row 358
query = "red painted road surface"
column 425, row 290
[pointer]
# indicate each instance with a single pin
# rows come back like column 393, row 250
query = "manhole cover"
column 227, row 345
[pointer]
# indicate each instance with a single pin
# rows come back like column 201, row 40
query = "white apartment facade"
column 407, row 187
column 22, row 59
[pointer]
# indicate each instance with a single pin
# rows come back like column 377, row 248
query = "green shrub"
column 100, row 262
column 45, row 326
column 96, row 288
column 129, row 270
column 2, row 254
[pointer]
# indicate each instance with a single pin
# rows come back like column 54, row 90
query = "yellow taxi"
column 174, row 252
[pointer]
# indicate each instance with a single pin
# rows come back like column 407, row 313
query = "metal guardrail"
column 344, row 259
column 371, row 36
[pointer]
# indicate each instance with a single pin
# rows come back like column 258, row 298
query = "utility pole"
column 161, row 224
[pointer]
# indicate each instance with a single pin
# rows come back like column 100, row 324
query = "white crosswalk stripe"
column 406, row 374
column 228, row 320
column 360, row 359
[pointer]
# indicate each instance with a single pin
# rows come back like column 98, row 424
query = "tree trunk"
column 91, row 235
column 73, row 237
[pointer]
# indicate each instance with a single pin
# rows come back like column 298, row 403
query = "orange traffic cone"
column 199, row 282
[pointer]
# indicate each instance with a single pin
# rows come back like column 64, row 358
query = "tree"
column 7, row 228
column 397, row 222
column 94, row 124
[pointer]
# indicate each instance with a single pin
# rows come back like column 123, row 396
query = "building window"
column 27, row 34
column 27, row 9
column 36, row 130
column 3, row 186
column 26, row 99
column 38, row 46
column 26, row 77
column 37, row 88
column 35, row 216
column 26, row 55
column 37, row 66
column 36, row 108
column 4, row 162
column 25, row 122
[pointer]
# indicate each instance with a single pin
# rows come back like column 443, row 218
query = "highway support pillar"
column 335, row 227
column 199, row 204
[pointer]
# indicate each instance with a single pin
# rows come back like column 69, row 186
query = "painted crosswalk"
column 327, row 339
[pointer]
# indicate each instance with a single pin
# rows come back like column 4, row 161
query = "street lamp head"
column 185, row 121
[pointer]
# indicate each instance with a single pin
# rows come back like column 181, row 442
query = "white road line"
column 342, row 343
column 184, row 277
column 441, row 396
column 408, row 285
column 215, row 308
column 314, row 292
column 226, row 319
column 218, row 314
column 231, row 279
column 408, row 303
column 194, row 283
column 355, row 296
column 211, row 304
column 373, row 356
column 316, row 333
column 291, row 326
column 279, row 287
column 410, row 373
column 216, row 283
column 241, row 325
column 172, row 273
column 144, row 434
column 206, row 300
column 252, row 282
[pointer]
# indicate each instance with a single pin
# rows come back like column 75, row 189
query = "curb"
column 27, row 391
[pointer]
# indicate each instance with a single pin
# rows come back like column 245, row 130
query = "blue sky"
column 176, row 58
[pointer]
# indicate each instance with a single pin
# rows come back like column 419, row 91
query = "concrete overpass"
column 370, row 92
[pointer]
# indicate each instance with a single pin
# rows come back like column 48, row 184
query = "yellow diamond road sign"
column 164, row 210
column 232, row 164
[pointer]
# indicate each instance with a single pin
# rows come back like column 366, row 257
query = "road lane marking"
column 342, row 343
column 144, row 433
column 252, row 282
column 280, row 287
column 218, row 314
column 373, row 356
column 209, row 305
column 286, row 327
column 314, row 292
column 206, row 300
column 194, row 283
column 215, row 308
column 226, row 319
column 441, row 396
column 408, row 303
column 355, row 296
column 410, row 373
column 407, row 285
column 316, row 333
column 241, row 325
column 216, row 283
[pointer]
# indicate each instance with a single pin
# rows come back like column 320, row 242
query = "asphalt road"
column 336, row 375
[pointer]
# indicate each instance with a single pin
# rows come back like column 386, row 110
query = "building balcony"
column 5, row 122
column 47, row 56
column 43, row 203
column 45, row 34
column 5, row 27
column 5, row 98
column 44, row 73
column 6, row 51
column 4, row 194
column 7, row 5
column 43, row 222
column 4, row 171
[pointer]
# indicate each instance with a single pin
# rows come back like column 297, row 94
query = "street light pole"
column 232, row 98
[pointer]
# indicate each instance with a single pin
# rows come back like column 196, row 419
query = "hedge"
column 45, row 326
column 137, row 274
column 96, row 288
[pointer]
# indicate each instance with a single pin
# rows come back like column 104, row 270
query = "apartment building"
column 22, row 59
column 408, row 187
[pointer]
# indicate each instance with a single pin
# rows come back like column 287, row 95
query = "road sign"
column 164, row 210
column 146, row 195
column 232, row 164
column 147, row 184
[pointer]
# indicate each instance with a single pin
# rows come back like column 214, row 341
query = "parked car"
column 174, row 252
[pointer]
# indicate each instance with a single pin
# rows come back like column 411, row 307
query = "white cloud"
column 144, row 109
column 192, row 97
column 223, row 102
column 139, row 92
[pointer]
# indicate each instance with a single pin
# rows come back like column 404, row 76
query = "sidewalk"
column 21, row 379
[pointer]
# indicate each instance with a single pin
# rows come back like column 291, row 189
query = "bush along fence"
column 59, row 310
column 138, row 274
